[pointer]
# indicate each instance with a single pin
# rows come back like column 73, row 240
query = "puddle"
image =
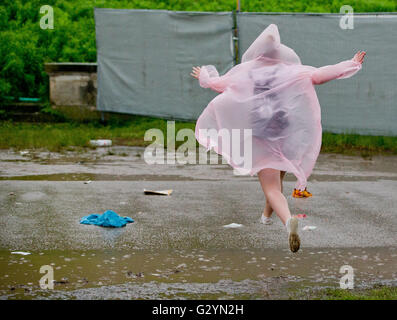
column 100, row 177
column 120, row 163
column 193, row 274
column 189, row 273
column 165, row 177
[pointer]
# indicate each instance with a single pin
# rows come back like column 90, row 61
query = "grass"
column 61, row 136
column 355, row 144
column 378, row 293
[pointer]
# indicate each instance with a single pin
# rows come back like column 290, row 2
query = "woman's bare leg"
column 268, row 209
column 270, row 180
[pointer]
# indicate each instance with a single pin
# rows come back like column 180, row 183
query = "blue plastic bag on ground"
column 108, row 219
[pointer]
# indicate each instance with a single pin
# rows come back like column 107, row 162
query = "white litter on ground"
column 101, row 143
column 21, row 252
column 309, row 228
column 158, row 192
column 233, row 225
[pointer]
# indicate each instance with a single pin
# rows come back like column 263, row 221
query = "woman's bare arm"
column 340, row 70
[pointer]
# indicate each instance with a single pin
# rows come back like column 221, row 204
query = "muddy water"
column 165, row 177
column 98, row 177
column 183, row 274
column 198, row 274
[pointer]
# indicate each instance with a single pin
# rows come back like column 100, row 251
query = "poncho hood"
column 268, row 45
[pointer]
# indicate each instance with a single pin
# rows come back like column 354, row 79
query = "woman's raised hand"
column 359, row 56
column 195, row 72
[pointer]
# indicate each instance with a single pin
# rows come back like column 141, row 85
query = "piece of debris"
column 87, row 182
column 62, row 281
column 233, row 225
column 22, row 153
column 158, row 192
column 101, row 143
column 21, row 252
column 108, row 219
column 11, row 193
column 309, row 228
column 301, row 215
column 266, row 294
column 135, row 275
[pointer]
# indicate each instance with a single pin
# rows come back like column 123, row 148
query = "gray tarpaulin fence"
column 145, row 57
column 365, row 103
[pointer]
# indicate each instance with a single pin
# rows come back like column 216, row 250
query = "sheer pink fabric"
column 270, row 94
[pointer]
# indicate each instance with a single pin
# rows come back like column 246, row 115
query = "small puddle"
column 168, row 177
column 193, row 274
column 99, row 177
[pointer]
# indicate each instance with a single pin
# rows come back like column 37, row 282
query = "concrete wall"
column 73, row 89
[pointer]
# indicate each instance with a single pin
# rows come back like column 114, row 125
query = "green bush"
column 24, row 46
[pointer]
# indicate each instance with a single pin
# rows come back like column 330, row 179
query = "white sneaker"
column 293, row 237
column 266, row 220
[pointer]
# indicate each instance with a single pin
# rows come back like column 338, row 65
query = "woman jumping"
column 270, row 108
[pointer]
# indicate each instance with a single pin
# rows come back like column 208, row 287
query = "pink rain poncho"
column 268, row 114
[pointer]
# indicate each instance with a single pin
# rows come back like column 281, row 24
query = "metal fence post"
column 235, row 35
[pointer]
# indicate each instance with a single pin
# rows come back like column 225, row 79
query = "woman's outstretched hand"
column 195, row 72
column 359, row 56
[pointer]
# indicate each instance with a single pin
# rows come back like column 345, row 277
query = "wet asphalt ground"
column 43, row 196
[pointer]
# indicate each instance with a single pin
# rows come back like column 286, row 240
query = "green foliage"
column 57, row 115
column 377, row 293
column 358, row 144
column 24, row 46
